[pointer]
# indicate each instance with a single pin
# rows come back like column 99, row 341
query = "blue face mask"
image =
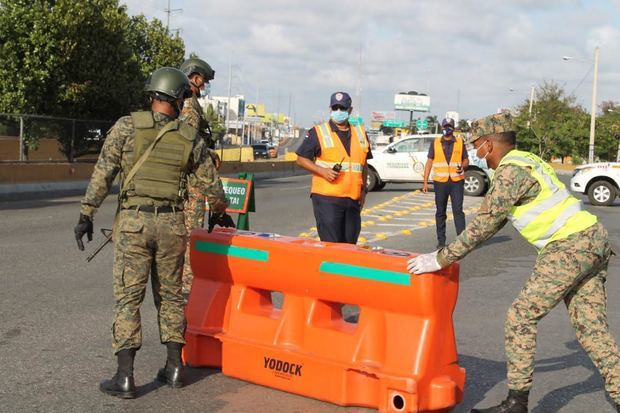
column 447, row 132
column 205, row 90
column 339, row 116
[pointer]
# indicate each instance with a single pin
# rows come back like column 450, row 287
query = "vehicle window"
column 405, row 146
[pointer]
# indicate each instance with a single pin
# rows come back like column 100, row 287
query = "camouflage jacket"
column 192, row 114
column 120, row 139
column 512, row 185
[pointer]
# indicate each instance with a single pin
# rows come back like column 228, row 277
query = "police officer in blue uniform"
column 337, row 213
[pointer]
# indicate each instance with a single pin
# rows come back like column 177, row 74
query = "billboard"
column 380, row 116
column 417, row 103
column 453, row 115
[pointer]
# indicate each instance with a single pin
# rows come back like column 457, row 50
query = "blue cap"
column 341, row 99
column 447, row 122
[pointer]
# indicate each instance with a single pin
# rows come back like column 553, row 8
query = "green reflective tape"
column 392, row 277
column 232, row 251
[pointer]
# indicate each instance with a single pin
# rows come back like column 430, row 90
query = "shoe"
column 516, row 402
column 122, row 383
column 172, row 375
column 618, row 407
column 119, row 385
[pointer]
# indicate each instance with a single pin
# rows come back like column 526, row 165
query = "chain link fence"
column 25, row 137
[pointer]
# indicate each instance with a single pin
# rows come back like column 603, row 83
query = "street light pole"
column 593, row 114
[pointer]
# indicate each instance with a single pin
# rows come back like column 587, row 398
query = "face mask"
column 483, row 158
column 447, row 132
column 205, row 90
column 339, row 116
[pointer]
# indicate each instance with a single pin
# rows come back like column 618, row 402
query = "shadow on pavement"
column 484, row 374
column 192, row 376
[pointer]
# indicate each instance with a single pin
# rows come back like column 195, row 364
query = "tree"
column 78, row 59
column 558, row 126
column 607, row 139
column 216, row 124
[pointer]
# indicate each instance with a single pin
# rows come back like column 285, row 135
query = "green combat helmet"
column 168, row 83
column 195, row 65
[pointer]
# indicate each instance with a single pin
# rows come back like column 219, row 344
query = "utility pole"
column 532, row 96
column 593, row 113
column 227, row 120
column 170, row 12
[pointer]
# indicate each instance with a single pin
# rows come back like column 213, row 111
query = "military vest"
column 161, row 180
column 554, row 214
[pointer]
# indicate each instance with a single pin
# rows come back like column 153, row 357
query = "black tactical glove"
column 84, row 226
column 223, row 220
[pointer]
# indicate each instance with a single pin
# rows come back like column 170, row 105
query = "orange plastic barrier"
column 400, row 356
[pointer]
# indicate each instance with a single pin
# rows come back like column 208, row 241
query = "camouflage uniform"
column 194, row 207
column 572, row 269
column 145, row 240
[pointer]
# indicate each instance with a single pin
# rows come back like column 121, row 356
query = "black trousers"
column 455, row 191
column 337, row 219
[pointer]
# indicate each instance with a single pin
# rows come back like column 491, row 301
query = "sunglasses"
column 338, row 107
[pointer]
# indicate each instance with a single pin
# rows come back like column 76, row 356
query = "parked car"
column 600, row 181
column 260, row 151
column 404, row 161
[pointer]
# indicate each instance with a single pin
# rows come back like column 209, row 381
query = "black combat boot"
column 122, row 384
column 618, row 407
column 516, row 402
column 172, row 373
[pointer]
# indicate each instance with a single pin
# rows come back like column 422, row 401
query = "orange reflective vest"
column 349, row 181
column 442, row 170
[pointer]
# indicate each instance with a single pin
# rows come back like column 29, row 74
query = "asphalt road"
column 56, row 312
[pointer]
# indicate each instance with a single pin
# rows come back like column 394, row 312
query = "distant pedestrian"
column 447, row 158
column 336, row 154
column 571, row 266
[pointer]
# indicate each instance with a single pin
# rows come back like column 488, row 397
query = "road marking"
column 404, row 213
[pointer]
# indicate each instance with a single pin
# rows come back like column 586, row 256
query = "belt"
column 154, row 209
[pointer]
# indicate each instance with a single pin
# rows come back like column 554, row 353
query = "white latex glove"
column 424, row 263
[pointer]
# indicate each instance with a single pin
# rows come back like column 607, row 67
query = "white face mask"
column 485, row 155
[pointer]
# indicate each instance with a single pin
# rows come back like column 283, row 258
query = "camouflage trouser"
column 145, row 241
column 194, row 211
column 574, row 270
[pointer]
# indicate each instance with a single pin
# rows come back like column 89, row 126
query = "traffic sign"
column 356, row 120
column 237, row 192
column 394, row 123
column 421, row 124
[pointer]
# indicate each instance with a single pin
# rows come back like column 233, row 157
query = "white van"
column 403, row 161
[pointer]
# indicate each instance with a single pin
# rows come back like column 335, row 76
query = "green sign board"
column 237, row 193
column 393, row 123
column 421, row 124
column 356, row 120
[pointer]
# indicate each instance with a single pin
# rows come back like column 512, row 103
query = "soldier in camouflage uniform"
column 200, row 74
column 571, row 266
column 154, row 155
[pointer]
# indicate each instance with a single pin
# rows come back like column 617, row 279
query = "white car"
column 600, row 181
column 404, row 161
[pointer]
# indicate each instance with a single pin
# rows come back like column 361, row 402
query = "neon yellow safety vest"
column 554, row 214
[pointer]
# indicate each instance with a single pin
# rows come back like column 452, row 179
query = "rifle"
column 107, row 233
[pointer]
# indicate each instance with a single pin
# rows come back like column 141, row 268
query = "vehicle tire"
column 381, row 186
column 601, row 193
column 474, row 183
column 373, row 181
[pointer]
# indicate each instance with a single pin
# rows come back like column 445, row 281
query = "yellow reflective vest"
column 444, row 170
column 554, row 214
column 349, row 181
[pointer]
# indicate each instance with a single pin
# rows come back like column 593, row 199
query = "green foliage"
column 608, row 132
column 558, row 126
column 78, row 58
column 216, row 124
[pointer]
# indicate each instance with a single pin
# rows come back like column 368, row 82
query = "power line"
column 170, row 12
